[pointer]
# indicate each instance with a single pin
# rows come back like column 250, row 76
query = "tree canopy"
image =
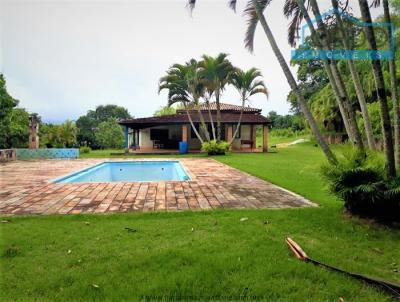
column 88, row 124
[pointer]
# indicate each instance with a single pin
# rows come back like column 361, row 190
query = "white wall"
column 244, row 135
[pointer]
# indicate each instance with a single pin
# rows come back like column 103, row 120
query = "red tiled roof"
column 224, row 107
column 180, row 118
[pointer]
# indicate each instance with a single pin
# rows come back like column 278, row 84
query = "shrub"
column 85, row 149
column 359, row 180
column 215, row 148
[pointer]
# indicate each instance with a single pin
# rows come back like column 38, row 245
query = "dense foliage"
column 165, row 110
column 109, row 134
column 359, row 180
column 88, row 124
column 14, row 121
column 215, row 148
column 58, row 136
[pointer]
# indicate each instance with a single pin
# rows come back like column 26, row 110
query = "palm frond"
column 232, row 5
column 252, row 21
column 291, row 10
column 375, row 3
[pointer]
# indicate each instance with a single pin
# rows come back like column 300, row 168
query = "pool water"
column 128, row 171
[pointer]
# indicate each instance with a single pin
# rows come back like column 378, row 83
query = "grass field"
column 202, row 255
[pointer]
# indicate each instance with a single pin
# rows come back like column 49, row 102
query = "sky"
column 63, row 58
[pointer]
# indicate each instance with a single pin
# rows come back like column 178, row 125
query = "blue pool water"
column 128, row 171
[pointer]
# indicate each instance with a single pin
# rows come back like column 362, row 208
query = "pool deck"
column 25, row 189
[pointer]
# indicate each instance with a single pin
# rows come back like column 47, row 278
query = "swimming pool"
column 128, row 171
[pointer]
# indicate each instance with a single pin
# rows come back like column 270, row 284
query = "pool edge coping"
column 184, row 168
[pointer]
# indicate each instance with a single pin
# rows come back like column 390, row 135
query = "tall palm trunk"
column 381, row 92
column 352, row 114
column 203, row 124
column 293, row 85
column 356, row 79
column 393, row 83
column 211, row 120
column 341, row 92
column 192, row 124
column 217, row 95
column 314, row 36
column 240, row 120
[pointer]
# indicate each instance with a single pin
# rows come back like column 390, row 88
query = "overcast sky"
column 62, row 58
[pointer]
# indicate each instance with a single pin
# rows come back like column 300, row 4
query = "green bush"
column 359, row 180
column 85, row 149
column 215, row 148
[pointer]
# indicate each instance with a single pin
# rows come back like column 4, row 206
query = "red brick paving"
column 25, row 189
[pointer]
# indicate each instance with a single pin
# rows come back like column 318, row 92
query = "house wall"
column 245, row 134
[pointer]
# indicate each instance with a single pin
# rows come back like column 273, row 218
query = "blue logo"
column 357, row 40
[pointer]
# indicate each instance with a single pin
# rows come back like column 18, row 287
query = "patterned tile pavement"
column 25, row 189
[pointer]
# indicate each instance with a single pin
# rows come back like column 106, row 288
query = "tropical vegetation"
column 196, row 82
column 58, row 136
column 109, row 134
column 14, row 121
column 347, row 95
column 88, row 124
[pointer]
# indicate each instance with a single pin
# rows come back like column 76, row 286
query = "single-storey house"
column 163, row 133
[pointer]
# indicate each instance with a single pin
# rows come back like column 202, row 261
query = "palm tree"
column 176, row 82
column 355, row 77
column 207, row 96
column 381, row 92
column 247, row 83
column 393, row 84
column 335, row 79
column 254, row 11
column 215, row 75
column 67, row 133
column 197, row 90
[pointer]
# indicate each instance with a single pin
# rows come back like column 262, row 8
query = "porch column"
column 184, row 133
column 126, row 137
column 265, row 138
column 253, row 133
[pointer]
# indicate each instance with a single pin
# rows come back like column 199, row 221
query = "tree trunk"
column 293, row 85
column 342, row 108
column 193, row 126
column 356, row 79
column 340, row 90
column 381, row 92
column 240, row 120
column 352, row 114
column 363, row 104
column 393, row 84
column 217, row 92
column 202, row 122
column 211, row 120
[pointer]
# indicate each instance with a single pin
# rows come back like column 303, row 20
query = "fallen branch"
column 392, row 288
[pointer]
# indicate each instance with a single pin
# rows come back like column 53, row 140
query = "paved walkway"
column 25, row 189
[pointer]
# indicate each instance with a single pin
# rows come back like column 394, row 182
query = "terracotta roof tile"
column 225, row 107
column 180, row 118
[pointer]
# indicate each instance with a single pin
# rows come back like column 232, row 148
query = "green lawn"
column 202, row 255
